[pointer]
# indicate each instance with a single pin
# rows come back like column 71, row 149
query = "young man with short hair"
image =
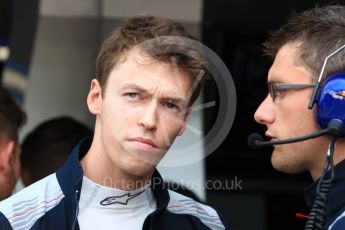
column 141, row 97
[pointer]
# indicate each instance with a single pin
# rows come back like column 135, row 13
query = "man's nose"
column 149, row 116
column 264, row 113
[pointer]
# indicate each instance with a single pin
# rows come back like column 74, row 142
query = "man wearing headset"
column 147, row 78
column 299, row 49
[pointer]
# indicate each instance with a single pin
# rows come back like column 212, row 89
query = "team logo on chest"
column 119, row 199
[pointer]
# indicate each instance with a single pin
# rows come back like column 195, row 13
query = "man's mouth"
column 270, row 136
column 143, row 143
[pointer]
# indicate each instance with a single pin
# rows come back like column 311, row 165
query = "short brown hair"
column 137, row 30
column 12, row 117
column 319, row 31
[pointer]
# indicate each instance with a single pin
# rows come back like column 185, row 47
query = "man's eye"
column 277, row 93
column 133, row 95
column 171, row 105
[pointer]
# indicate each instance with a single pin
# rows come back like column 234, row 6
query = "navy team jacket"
column 335, row 208
column 52, row 203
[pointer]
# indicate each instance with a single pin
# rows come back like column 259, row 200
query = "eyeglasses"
column 275, row 89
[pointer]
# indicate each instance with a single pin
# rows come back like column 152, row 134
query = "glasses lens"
column 271, row 90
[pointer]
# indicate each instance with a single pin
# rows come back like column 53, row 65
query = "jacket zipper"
column 77, row 210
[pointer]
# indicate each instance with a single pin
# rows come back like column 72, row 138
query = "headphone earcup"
column 331, row 100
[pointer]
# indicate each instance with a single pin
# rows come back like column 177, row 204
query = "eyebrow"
column 274, row 81
column 141, row 89
column 133, row 86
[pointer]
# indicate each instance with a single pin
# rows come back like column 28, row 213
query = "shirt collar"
column 70, row 175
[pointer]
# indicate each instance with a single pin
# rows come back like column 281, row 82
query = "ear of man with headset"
column 309, row 52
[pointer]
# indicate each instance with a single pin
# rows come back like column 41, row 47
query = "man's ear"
column 184, row 124
column 94, row 98
column 6, row 150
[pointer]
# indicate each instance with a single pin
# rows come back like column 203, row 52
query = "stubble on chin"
column 287, row 161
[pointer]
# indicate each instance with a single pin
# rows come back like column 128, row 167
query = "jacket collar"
column 335, row 196
column 160, row 191
column 70, row 175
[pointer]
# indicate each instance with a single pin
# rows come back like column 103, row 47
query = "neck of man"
column 100, row 169
column 338, row 156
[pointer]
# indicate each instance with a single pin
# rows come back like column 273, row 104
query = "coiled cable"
column 316, row 219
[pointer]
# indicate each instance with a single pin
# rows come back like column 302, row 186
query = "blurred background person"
column 45, row 148
column 12, row 117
